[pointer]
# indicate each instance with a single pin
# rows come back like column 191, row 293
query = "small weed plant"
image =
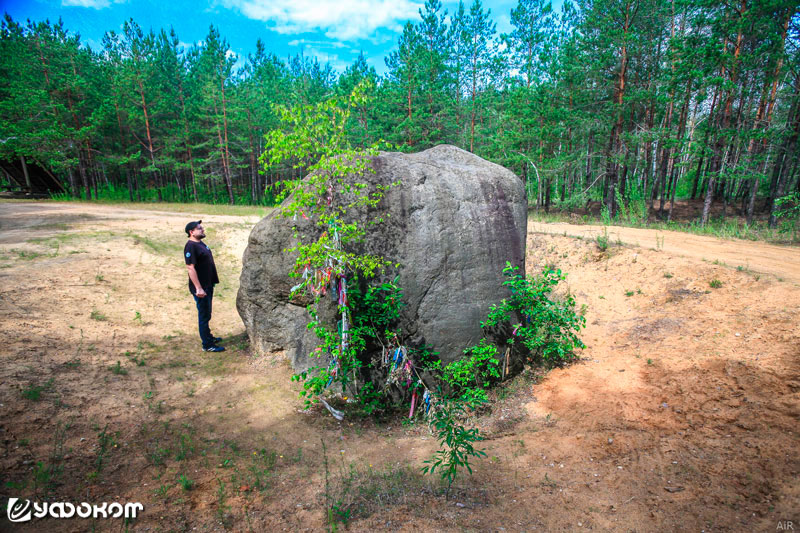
column 605, row 215
column 185, row 483
column 118, row 369
column 105, row 443
column 457, row 443
column 602, row 241
column 357, row 491
column 34, row 392
column 46, row 475
column 223, row 508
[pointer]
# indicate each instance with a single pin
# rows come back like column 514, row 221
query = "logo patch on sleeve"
column 188, row 254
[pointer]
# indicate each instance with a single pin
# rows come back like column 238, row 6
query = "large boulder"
column 453, row 222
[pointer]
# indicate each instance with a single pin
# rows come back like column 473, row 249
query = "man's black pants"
column 204, row 316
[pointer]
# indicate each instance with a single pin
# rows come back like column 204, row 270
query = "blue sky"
column 334, row 31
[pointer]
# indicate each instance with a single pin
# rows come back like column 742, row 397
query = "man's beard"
column 200, row 237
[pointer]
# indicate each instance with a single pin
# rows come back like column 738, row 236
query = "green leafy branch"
column 549, row 328
column 313, row 139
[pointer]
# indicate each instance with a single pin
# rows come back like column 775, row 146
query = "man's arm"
column 199, row 292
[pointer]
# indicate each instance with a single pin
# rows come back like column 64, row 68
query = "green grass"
column 118, row 369
column 157, row 247
column 715, row 283
column 602, row 241
column 354, row 491
column 34, row 392
column 60, row 226
column 154, row 246
column 53, row 240
column 27, row 255
column 195, row 209
column 185, row 482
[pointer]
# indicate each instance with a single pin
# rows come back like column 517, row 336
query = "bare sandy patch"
column 681, row 415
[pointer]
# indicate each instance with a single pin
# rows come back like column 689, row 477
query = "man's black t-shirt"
column 199, row 255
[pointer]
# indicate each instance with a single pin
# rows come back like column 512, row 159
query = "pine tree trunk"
column 787, row 155
column 25, row 172
column 588, row 173
column 226, row 155
column 726, row 115
column 223, row 161
column 92, row 170
column 82, row 171
column 150, row 148
column 648, row 146
column 73, row 187
column 684, row 117
column 186, row 143
column 666, row 156
column 253, row 168
column 616, row 131
column 474, row 88
column 768, row 103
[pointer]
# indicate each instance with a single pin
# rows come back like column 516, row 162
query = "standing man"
column 202, row 278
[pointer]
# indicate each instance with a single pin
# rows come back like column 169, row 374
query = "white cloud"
column 338, row 63
column 339, row 19
column 95, row 4
column 321, row 44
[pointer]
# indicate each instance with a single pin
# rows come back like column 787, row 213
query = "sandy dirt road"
column 683, row 413
column 780, row 261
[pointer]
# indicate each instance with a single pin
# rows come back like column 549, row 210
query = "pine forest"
column 627, row 105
